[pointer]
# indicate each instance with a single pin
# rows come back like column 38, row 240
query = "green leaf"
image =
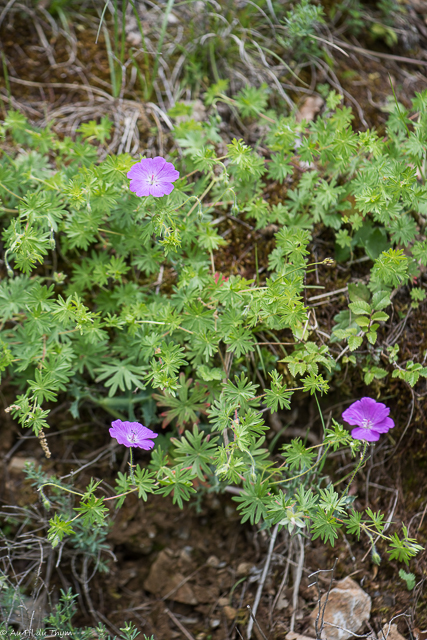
column 251, row 101
column 240, row 394
column 189, row 400
column 58, row 529
column 391, row 268
column 405, row 548
column 93, row 511
column 359, row 307
column 277, row 396
column 372, row 336
column 408, row 578
column 197, row 451
column 123, row 485
column 330, row 501
column 120, row 374
column 240, row 341
column 325, row 526
column 313, row 383
column 358, row 291
column 354, row 342
column 379, row 316
column 372, row 372
column 298, row 456
column 93, row 131
column 353, row 523
column 381, row 300
column 144, row 482
column 179, row 482
column 252, row 501
column 362, row 321
column 244, row 161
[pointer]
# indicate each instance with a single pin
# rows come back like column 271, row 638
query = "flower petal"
column 365, row 434
column 120, row 436
column 145, row 432
column 142, row 169
column 168, row 173
column 134, row 171
column 140, row 187
column 374, row 411
column 383, row 426
column 366, row 409
column 354, row 414
column 147, row 445
column 157, row 165
column 161, row 189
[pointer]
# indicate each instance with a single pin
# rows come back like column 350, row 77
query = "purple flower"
column 132, row 434
column 371, row 418
column 152, row 177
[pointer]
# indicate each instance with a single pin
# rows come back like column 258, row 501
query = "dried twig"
column 297, row 582
column 321, row 611
column 262, row 580
column 284, row 579
column 178, row 624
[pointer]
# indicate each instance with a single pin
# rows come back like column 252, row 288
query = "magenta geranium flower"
column 132, row 434
column 371, row 418
column 152, row 177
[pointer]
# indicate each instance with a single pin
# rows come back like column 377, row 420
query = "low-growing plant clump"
column 118, row 294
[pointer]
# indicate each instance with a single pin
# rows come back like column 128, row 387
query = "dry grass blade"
column 62, row 85
column 381, row 55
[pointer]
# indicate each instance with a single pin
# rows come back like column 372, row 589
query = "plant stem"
column 362, row 460
column 131, row 465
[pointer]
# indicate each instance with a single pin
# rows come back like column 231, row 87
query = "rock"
column 206, row 593
column 390, row 632
column 310, row 108
column 18, row 463
column 282, row 603
column 213, row 561
column 348, row 607
column 164, row 578
column 134, row 38
column 172, row 18
column 230, row 612
column 133, row 35
column 244, row 569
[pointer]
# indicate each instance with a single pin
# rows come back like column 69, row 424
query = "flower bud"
column 376, row 558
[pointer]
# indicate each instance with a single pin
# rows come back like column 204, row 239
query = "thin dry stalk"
column 297, row 581
column 321, row 610
column 262, row 580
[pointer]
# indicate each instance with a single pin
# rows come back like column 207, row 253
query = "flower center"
column 367, row 424
column 153, row 179
column 132, row 437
